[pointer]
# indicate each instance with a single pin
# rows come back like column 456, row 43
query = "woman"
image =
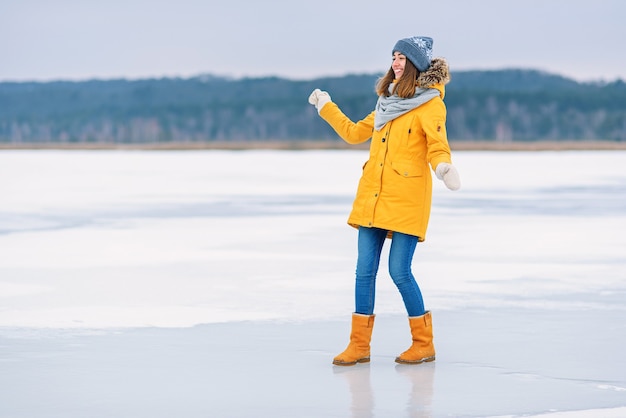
column 393, row 199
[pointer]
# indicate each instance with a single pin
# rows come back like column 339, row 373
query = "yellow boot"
column 358, row 350
column 422, row 350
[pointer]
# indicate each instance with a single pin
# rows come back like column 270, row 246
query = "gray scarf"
column 389, row 108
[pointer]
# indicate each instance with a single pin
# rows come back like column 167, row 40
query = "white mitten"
column 319, row 98
column 449, row 175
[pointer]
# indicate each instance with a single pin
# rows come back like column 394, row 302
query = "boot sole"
column 424, row 360
column 351, row 363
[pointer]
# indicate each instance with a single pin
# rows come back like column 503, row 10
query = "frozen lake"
column 117, row 267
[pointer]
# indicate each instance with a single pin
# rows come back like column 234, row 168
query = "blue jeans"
column 370, row 245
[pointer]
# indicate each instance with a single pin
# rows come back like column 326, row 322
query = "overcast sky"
column 83, row 39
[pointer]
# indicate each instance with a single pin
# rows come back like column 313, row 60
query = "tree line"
column 504, row 105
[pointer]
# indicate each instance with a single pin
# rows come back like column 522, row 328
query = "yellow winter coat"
column 395, row 189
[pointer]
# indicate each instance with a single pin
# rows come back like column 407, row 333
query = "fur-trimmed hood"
column 437, row 73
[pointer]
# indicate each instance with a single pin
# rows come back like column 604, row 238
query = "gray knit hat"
column 418, row 49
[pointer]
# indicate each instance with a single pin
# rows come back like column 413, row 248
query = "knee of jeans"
column 365, row 278
column 400, row 276
column 366, row 271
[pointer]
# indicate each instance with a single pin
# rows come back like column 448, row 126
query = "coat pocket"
column 407, row 169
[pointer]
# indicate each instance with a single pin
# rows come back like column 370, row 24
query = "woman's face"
column 397, row 64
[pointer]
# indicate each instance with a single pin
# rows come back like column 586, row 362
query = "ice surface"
column 219, row 283
column 492, row 362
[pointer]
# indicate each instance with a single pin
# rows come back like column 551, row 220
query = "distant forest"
column 503, row 106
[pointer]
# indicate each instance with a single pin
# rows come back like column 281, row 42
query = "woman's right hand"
column 319, row 98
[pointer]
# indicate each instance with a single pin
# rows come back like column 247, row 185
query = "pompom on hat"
column 418, row 50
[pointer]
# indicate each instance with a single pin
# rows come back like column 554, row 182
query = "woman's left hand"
column 449, row 175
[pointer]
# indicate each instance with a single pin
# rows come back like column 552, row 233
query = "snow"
column 220, row 283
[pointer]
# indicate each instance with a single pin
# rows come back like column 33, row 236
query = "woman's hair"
column 405, row 86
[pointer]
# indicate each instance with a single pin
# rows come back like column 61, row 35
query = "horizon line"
column 289, row 78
